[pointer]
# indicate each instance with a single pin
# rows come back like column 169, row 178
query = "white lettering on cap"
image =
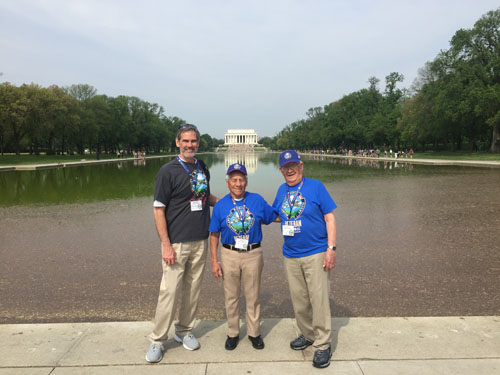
column 237, row 166
column 288, row 155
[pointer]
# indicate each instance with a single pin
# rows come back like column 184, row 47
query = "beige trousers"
column 245, row 267
column 180, row 289
column 309, row 289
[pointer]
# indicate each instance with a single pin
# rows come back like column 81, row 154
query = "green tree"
column 13, row 110
column 463, row 93
column 477, row 55
column 81, row 91
column 102, row 118
column 269, row 142
column 83, row 117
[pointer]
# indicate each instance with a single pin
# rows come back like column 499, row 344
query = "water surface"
column 79, row 244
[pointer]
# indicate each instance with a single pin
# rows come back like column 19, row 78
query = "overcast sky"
column 227, row 64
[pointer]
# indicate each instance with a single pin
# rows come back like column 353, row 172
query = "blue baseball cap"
column 289, row 156
column 236, row 168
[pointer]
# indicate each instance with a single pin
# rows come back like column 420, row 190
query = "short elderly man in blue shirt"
column 309, row 231
column 236, row 221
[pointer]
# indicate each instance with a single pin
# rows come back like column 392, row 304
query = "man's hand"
column 168, row 254
column 217, row 270
column 330, row 260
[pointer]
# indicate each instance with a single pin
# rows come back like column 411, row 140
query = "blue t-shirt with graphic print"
column 241, row 221
column 306, row 216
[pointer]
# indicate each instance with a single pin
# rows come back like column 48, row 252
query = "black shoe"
column 322, row 358
column 257, row 342
column 300, row 343
column 232, row 342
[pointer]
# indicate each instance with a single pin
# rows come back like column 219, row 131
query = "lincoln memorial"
column 240, row 137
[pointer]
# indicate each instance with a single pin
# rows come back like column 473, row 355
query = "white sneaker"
column 155, row 353
column 188, row 341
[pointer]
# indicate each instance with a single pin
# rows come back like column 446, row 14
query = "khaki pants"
column 309, row 288
column 245, row 267
column 180, row 288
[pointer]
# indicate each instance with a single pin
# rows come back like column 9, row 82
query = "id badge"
column 288, row 230
column 241, row 244
column 196, row 206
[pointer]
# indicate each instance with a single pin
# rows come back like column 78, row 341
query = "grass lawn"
column 458, row 155
column 12, row 159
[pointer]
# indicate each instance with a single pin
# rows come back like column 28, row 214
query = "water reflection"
column 122, row 180
column 135, row 178
column 249, row 159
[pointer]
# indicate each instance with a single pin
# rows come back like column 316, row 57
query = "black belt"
column 249, row 247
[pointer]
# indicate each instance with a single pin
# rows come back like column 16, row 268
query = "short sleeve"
column 326, row 202
column 163, row 188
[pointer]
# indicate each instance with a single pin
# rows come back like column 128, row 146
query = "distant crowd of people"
column 374, row 153
column 122, row 154
column 400, row 153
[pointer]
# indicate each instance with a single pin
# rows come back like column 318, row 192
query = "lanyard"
column 194, row 182
column 240, row 215
column 292, row 202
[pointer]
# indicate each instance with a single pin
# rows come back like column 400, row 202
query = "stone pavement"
column 362, row 346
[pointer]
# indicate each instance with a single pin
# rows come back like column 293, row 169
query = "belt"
column 249, row 247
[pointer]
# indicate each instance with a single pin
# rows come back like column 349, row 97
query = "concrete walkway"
column 362, row 346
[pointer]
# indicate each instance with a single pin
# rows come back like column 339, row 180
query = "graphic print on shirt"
column 293, row 213
column 199, row 183
column 199, row 186
column 234, row 222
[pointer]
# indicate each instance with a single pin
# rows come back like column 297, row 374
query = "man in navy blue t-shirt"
column 182, row 214
column 236, row 221
column 309, row 231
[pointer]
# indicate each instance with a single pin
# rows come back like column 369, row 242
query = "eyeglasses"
column 288, row 166
column 189, row 126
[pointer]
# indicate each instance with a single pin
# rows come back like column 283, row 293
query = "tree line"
column 454, row 101
column 75, row 119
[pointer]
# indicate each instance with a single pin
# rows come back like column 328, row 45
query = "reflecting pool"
column 79, row 243
column 130, row 179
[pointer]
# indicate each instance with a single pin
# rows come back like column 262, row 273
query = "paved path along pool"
column 362, row 346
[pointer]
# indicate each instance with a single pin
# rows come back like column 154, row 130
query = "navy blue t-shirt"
column 175, row 189
column 227, row 219
column 307, row 217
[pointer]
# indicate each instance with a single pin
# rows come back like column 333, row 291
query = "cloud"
column 225, row 64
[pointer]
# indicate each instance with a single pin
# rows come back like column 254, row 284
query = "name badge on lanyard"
column 241, row 244
column 241, row 211
column 288, row 230
column 196, row 206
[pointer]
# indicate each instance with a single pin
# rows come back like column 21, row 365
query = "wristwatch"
column 334, row 248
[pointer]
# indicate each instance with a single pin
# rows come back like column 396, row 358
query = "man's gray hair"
column 187, row 128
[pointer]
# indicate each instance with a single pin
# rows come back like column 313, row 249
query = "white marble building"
column 241, row 137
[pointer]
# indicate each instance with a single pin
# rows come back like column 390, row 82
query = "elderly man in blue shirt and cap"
column 236, row 221
column 309, row 231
